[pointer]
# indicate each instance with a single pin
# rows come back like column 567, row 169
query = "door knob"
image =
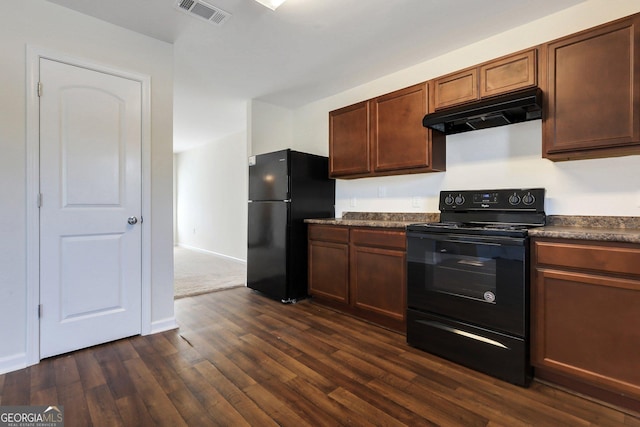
column 132, row 220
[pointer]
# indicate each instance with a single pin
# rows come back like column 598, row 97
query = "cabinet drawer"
column 381, row 238
column 595, row 257
column 329, row 233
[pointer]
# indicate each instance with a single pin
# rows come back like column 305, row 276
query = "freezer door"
column 269, row 176
column 267, row 248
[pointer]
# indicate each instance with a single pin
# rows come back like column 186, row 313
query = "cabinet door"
column 456, row 88
column 399, row 139
column 508, row 74
column 329, row 263
column 349, row 140
column 378, row 273
column 585, row 327
column 593, row 93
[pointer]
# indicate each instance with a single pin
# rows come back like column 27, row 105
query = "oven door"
column 477, row 279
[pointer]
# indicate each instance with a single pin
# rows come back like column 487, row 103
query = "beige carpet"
column 198, row 273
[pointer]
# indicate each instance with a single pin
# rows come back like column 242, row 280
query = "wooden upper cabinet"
column 592, row 93
column 456, row 88
column 399, row 140
column 349, row 140
column 506, row 74
column 385, row 136
column 509, row 73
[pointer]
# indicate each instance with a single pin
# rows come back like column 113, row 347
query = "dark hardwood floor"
column 242, row 359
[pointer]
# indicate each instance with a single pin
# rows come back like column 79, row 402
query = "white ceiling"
column 304, row 51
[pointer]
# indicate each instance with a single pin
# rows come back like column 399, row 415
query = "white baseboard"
column 13, row 363
column 163, row 325
column 205, row 251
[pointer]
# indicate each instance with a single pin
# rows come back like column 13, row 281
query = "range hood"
column 501, row 110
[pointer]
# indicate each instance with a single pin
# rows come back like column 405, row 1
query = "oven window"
column 470, row 276
column 467, row 268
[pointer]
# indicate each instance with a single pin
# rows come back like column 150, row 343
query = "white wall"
column 270, row 128
column 42, row 24
column 503, row 157
column 212, row 197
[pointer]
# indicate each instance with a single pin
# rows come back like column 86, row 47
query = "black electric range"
column 468, row 280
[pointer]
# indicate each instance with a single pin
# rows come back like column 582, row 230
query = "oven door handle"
column 469, row 242
column 475, row 240
column 460, row 332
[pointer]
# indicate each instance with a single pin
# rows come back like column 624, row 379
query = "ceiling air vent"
column 203, row 10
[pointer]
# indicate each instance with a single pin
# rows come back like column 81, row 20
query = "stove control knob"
column 514, row 199
column 528, row 199
column 459, row 199
column 448, row 200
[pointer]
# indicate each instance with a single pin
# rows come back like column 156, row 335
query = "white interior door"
column 90, row 182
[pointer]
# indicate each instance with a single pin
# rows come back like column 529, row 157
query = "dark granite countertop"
column 599, row 228
column 377, row 219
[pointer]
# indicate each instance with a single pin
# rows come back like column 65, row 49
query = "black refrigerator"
column 285, row 187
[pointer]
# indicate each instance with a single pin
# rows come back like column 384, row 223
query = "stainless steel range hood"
column 501, row 110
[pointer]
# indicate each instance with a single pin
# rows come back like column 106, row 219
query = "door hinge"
column 39, row 200
column 39, row 311
column 39, row 89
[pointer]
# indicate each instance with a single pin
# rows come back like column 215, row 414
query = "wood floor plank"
column 239, row 358
column 89, row 370
column 290, row 362
column 66, row 370
column 102, row 407
column 304, row 407
column 278, row 410
column 156, row 400
column 441, row 411
column 42, row 377
column 44, row 396
column 337, row 412
column 124, row 349
column 343, row 377
column 117, row 378
column 76, row 410
column 218, row 409
column 258, row 365
column 599, row 415
column 236, row 375
column 235, row 396
column 133, row 411
column 365, row 410
column 16, row 388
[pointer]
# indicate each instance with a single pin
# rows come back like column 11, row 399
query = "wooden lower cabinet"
column 329, row 263
column 361, row 271
column 585, row 317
